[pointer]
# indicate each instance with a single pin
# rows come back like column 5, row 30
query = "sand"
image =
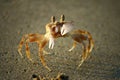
column 100, row 17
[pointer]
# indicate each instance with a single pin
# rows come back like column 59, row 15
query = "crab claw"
column 51, row 43
column 67, row 27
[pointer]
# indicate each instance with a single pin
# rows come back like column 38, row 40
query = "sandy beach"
column 100, row 17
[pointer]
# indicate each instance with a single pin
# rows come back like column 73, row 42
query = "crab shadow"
column 62, row 77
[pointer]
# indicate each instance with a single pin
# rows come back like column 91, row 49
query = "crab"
column 56, row 29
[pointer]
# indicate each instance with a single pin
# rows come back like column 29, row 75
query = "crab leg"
column 41, row 46
column 30, row 38
column 20, row 46
column 84, row 54
column 74, row 45
column 28, row 50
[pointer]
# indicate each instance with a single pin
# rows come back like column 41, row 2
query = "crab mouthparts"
column 51, row 43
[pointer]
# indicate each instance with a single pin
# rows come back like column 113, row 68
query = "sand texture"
column 100, row 17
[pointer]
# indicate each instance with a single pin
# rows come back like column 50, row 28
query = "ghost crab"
column 54, row 30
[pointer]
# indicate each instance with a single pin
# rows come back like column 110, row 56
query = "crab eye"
column 55, row 29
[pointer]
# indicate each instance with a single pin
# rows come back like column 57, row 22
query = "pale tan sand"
column 100, row 17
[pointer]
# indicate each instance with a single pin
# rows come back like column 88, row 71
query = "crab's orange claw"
column 51, row 43
column 67, row 27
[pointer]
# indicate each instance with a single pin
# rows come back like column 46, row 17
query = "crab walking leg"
column 74, row 45
column 43, row 60
column 20, row 45
column 45, row 52
column 84, row 54
column 88, row 48
column 90, row 40
column 79, row 36
column 91, row 43
column 41, row 46
column 23, row 40
column 28, row 50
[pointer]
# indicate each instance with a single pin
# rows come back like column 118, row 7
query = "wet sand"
column 100, row 17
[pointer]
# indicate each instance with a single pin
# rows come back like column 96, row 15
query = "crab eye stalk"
column 62, row 18
column 53, row 19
